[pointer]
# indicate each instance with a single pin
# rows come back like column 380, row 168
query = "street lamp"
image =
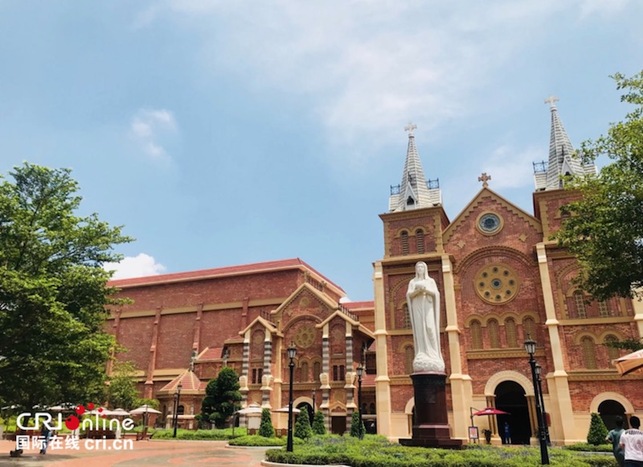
column 314, row 405
column 360, row 372
column 542, row 402
column 177, row 397
column 530, row 347
column 292, row 351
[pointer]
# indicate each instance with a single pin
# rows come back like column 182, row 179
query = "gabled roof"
column 244, row 269
column 325, row 299
column 210, row 354
column 353, row 322
column 190, row 384
column 485, row 191
column 265, row 323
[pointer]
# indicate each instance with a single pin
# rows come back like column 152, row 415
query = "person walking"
column 45, row 434
column 507, row 433
column 632, row 444
column 614, row 437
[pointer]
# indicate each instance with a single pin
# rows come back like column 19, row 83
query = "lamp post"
column 360, row 372
column 542, row 402
column 177, row 398
column 530, row 347
column 292, row 351
column 314, row 405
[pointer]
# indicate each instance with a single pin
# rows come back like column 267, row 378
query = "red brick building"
column 501, row 281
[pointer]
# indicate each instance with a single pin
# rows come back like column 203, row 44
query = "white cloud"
column 510, row 167
column 140, row 265
column 370, row 64
column 148, row 126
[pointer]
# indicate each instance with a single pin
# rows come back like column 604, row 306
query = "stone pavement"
column 142, row 453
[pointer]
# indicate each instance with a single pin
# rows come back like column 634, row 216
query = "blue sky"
column 229, row 132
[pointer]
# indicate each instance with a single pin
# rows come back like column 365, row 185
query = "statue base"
column 430, row 427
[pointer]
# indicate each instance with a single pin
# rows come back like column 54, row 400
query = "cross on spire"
column 551, row 100
column 410, row 127
column 484, row 178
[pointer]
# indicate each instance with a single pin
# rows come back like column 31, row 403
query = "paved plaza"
column 142, row 453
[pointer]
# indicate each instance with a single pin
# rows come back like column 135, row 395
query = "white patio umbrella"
column 143, row 409
column 252, row 408
column 285, row 410
column 119, row 413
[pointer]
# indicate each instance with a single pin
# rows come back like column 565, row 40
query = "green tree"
column 302, row 425
column 53, row 292
column 222, row 397
column 266, row 429
column 597, row 430
column 357, row 428
column 604, row 229
column 122, row 391
column 319, row 427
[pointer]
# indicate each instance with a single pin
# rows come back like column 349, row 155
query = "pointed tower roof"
column 414, row 192
column 561, row 153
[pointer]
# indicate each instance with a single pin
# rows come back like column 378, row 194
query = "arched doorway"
column 309, row 408
column 609, row 410
column 510, row 397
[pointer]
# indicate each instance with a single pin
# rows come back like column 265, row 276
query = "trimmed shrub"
column 266, row 429
column 302, row 425
column 319, row 425
column 357, row 428
column 597, row 430
column 256, row 440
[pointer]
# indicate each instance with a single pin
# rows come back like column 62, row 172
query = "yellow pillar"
column 382, row 381
column 558, row 383
column 461, row 388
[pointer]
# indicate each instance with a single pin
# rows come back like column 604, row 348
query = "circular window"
column 489, row 223
column 305, row 336
column 496, row 284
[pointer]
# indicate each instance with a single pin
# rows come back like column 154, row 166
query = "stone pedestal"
column 431, row 428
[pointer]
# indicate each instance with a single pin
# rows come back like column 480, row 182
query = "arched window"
column 589, row 352
column 404, row 236
column 419, row 239
column 316, row 371
column 510, row 332
column 579, row 301
column 476, row 334
column 494, row 337
column 406, row 317
column 409, row 355
column 304, row 372
column 529, row 327
column 612, row 352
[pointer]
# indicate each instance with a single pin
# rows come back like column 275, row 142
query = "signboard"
column 473, row 433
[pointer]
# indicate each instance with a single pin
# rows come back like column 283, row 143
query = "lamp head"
column 530, row 346
column 292, row 351
column 538, row 370
column 178, row 388
column 360, row 371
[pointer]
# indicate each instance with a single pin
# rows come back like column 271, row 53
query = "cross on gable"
column 484, row 178
column 551, row 100
column 410, row 127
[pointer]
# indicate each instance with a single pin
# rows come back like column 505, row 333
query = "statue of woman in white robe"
column 423, row 300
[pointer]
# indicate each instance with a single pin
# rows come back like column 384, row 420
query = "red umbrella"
column 490, row 411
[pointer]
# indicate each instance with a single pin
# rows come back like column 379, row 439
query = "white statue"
column 423, row 300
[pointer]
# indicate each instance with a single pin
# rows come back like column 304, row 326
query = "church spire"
column 414, row 192
column 562, row 160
